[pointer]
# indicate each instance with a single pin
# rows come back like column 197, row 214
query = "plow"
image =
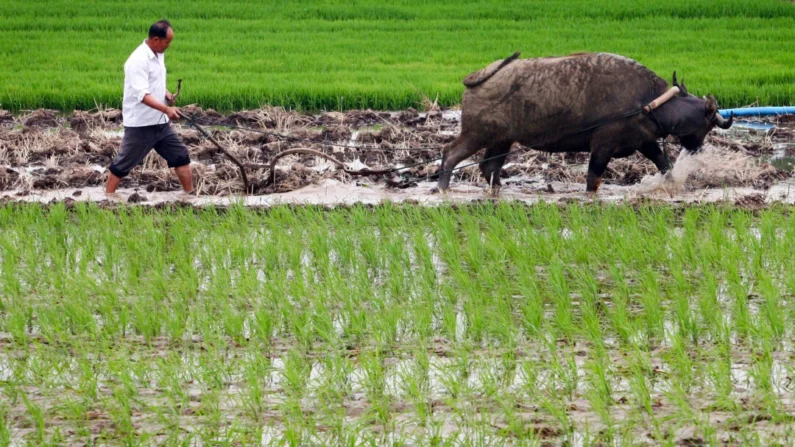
column 389, row 174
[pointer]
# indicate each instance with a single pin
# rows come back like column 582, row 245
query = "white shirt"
column 144, row 73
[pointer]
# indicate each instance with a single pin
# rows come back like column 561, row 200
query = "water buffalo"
column 575, row 103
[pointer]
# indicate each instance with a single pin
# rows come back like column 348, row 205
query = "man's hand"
column 169, row 99
column 172, row 113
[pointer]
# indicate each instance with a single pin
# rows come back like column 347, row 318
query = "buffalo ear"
column 682, row 88
column 711, row 106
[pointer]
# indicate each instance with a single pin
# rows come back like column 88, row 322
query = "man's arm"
column 150, row 101
column 139, row 79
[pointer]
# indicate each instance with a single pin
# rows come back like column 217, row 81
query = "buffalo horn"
column 722, row 122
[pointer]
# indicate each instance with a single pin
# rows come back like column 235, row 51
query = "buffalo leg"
column 492, row 162
column 652, row 151
column 596, row 168
column 458, row 150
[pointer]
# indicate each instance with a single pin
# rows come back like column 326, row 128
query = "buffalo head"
column 691, row 118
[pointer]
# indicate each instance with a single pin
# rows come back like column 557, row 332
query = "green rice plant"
column 619, row 313
column 295, row 374
column 680, row 362
column 120, row 407
column 466, row 303
column 146, row 318
column 415, row 384
column 454, row 378
column 601, row 389
column 739, row 291
column 515, row 426
column 176, row 324
column 773, row 326
column 639, row 384
column 687, row 321
column 210, row 410
column 323, row 324
column 561, row 297
column 532, row 307
column 375, row 386
column 679, row 397
column 652, row 305
column 556, row 407
column 589, row 301
column 718, row 377
column 563, row 370
column 711, row 314
column 19, row 321
column 255, row 372
column 335, row 384
column 37, row 416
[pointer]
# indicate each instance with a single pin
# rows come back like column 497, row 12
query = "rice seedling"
column 493, row 323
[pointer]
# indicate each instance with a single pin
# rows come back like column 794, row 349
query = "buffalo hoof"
column 437, row 190
column 493, row 191
column 592, row 195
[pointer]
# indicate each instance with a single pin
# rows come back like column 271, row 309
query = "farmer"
column 146, row 111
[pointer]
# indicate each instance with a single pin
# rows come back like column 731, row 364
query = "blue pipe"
column 758, row 111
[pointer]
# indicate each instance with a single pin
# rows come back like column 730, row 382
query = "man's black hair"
column 159, row 29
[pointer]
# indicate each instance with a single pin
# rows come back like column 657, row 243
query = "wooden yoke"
column 662, row 99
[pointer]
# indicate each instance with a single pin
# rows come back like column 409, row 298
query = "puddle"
column 783, row 156
column 333, row 192
column 754, row 125
column 783, row 162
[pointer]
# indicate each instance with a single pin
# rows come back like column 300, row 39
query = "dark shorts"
column 138, row 141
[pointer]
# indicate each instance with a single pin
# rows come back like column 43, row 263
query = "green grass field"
column 478, row 325
column 357, row 54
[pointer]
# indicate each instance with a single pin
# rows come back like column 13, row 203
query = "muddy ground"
column 47, row 156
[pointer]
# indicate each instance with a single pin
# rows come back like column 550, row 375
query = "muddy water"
column 332, row 192
column 712, row 162
column 674, row 180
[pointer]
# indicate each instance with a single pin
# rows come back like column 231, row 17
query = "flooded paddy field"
column 480, row 324
column 657, row 312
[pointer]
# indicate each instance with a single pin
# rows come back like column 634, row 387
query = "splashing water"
column 710, row 163
column 673, row 180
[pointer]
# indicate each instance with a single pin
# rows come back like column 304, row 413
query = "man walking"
column 146, row 111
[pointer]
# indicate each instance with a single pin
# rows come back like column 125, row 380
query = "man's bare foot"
column 187, row 196
column 114, row 197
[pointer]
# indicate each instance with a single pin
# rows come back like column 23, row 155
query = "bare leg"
column 113, row 183
column 457, row 151
column 493, row 160
column 185, row 178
